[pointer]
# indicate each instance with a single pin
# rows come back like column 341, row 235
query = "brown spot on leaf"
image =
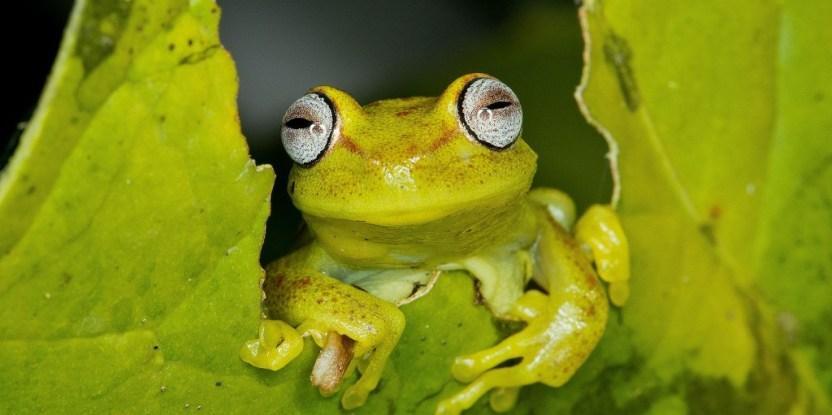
column 707, row 230
column 618, row 54
column 715, row 212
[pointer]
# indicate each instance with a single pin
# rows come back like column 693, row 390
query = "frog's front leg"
column 562, row 328
column 601, row 237
column 599, row 234
column 342, row 319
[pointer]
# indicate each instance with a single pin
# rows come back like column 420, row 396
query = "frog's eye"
column 308, row 128
column 490, row 113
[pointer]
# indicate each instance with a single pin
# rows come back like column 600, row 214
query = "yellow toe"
column 277, row 345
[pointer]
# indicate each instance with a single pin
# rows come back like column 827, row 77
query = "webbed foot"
column 353, row 329
column 276, row 345
column 563, row 326
column 553, row 345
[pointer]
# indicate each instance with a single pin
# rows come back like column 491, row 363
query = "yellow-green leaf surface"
column 720, row 111
column 131, row 220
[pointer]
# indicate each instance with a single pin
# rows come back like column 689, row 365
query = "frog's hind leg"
column 467, row 368
column 562, row 328
column 342, row 319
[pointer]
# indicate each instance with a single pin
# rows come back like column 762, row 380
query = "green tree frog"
column 397, row 192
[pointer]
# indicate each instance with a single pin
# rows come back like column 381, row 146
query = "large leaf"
column 724, row 153
column 793, row 253
column 132, row 219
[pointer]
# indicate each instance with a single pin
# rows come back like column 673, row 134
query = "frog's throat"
column 445, row 239
column 419, row 212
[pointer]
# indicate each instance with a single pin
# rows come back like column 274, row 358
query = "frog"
column 397, row 193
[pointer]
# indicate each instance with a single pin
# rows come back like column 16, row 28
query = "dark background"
column 373, row 50
column 306, row 42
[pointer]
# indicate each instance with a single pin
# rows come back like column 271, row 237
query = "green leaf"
column 792, row 254
column 132, row 220
column 716, row 109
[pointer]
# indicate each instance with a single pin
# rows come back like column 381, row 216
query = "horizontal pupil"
column 499, row 104
column 298, row 123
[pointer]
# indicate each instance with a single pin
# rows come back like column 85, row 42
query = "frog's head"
column 407, row 161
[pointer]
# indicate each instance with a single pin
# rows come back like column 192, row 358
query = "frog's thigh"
column 599, row 231
column 320, row 305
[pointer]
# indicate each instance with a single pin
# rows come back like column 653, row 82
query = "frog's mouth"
column 416, row 212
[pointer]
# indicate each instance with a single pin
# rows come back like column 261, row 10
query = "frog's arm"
column 342, row 319
column 562, row 329
column 559, row 205
column 600, row 233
